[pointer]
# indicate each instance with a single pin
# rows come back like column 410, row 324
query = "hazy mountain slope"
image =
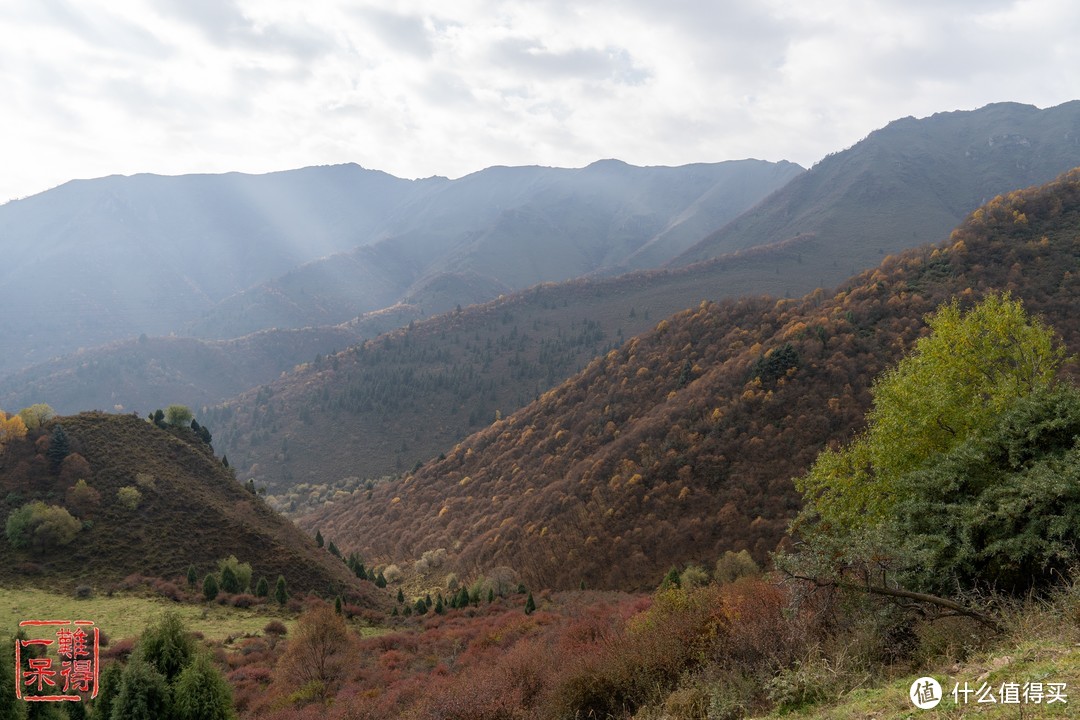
column 148, row 373
column 99, row 260
column 191, row 511
column 506, row 228
column 907, row 183
column 682, row 443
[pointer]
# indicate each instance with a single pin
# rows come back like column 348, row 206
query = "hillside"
column 906, row 184
column 379, row 409
column 150, row 372
column 191, row 511
column 681, row 443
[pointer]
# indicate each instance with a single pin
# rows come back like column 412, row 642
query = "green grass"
column 125, row 616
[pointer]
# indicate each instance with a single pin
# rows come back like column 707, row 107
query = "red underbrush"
column 582, row 655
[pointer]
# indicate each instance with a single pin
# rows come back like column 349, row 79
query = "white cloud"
column 422, row 87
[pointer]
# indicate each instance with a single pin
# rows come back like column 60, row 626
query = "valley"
column 627, row 418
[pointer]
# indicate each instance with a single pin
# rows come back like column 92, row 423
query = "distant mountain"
column 906, row 184
column 189, row 511
column 681, row 443
column 505, row 229
column 94, row 261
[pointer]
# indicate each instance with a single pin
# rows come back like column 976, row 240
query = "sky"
column 428, row 87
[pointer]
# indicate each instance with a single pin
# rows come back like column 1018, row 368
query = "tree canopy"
column 955, row 383
column 966, row 473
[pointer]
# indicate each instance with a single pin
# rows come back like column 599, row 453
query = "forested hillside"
column 682, row 443
column 117, row 495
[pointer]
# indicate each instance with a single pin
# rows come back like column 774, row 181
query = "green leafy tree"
column 210, row 587
column 869, row 522
column 36, row 416
column 129, row 497
column 955, row 383
column 178, row 415
column 143, row 694
column 242, row 572
column 41, row 526
column 201, row 693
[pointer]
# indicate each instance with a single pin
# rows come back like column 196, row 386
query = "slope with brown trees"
column 682, row 443
column 152, row 501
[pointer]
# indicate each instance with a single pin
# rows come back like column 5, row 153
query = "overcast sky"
column 437, row 87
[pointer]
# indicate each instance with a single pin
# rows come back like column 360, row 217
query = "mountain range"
column 681, row 443
column 220, row 256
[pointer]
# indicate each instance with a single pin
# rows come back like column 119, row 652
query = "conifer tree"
column 262, row 589
column 201, row 693
column 229, row 581
column 108, row 689
column 530, row 605
column 210, row 587
column 192, row 576
column 400, row 596
column 59, row 447
column 167, row 646
column 280, row 593
column 319, row 538
column 143, row 694
column 10, row 707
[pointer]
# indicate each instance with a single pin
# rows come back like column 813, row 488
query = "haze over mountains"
column 101, row 260
column 434, row 245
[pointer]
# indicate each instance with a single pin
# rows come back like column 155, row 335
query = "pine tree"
column 59, row 447
column 280, row 593
column 400, row 596
column 229, row 581
column 439, row 609
column 337, row 604
column 530, row 605
column 167, row 646
column 108, row 689
column 380, row 580
column 10, row 707
column 262, row 589
column 319, row 539
column 192, row 576
column 201, row 693
column 143, row 694
column 420, row 607
column 210, row 588
column 334, row 549
column 491, row 595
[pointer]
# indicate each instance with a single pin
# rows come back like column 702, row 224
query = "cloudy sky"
column 430, row 87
